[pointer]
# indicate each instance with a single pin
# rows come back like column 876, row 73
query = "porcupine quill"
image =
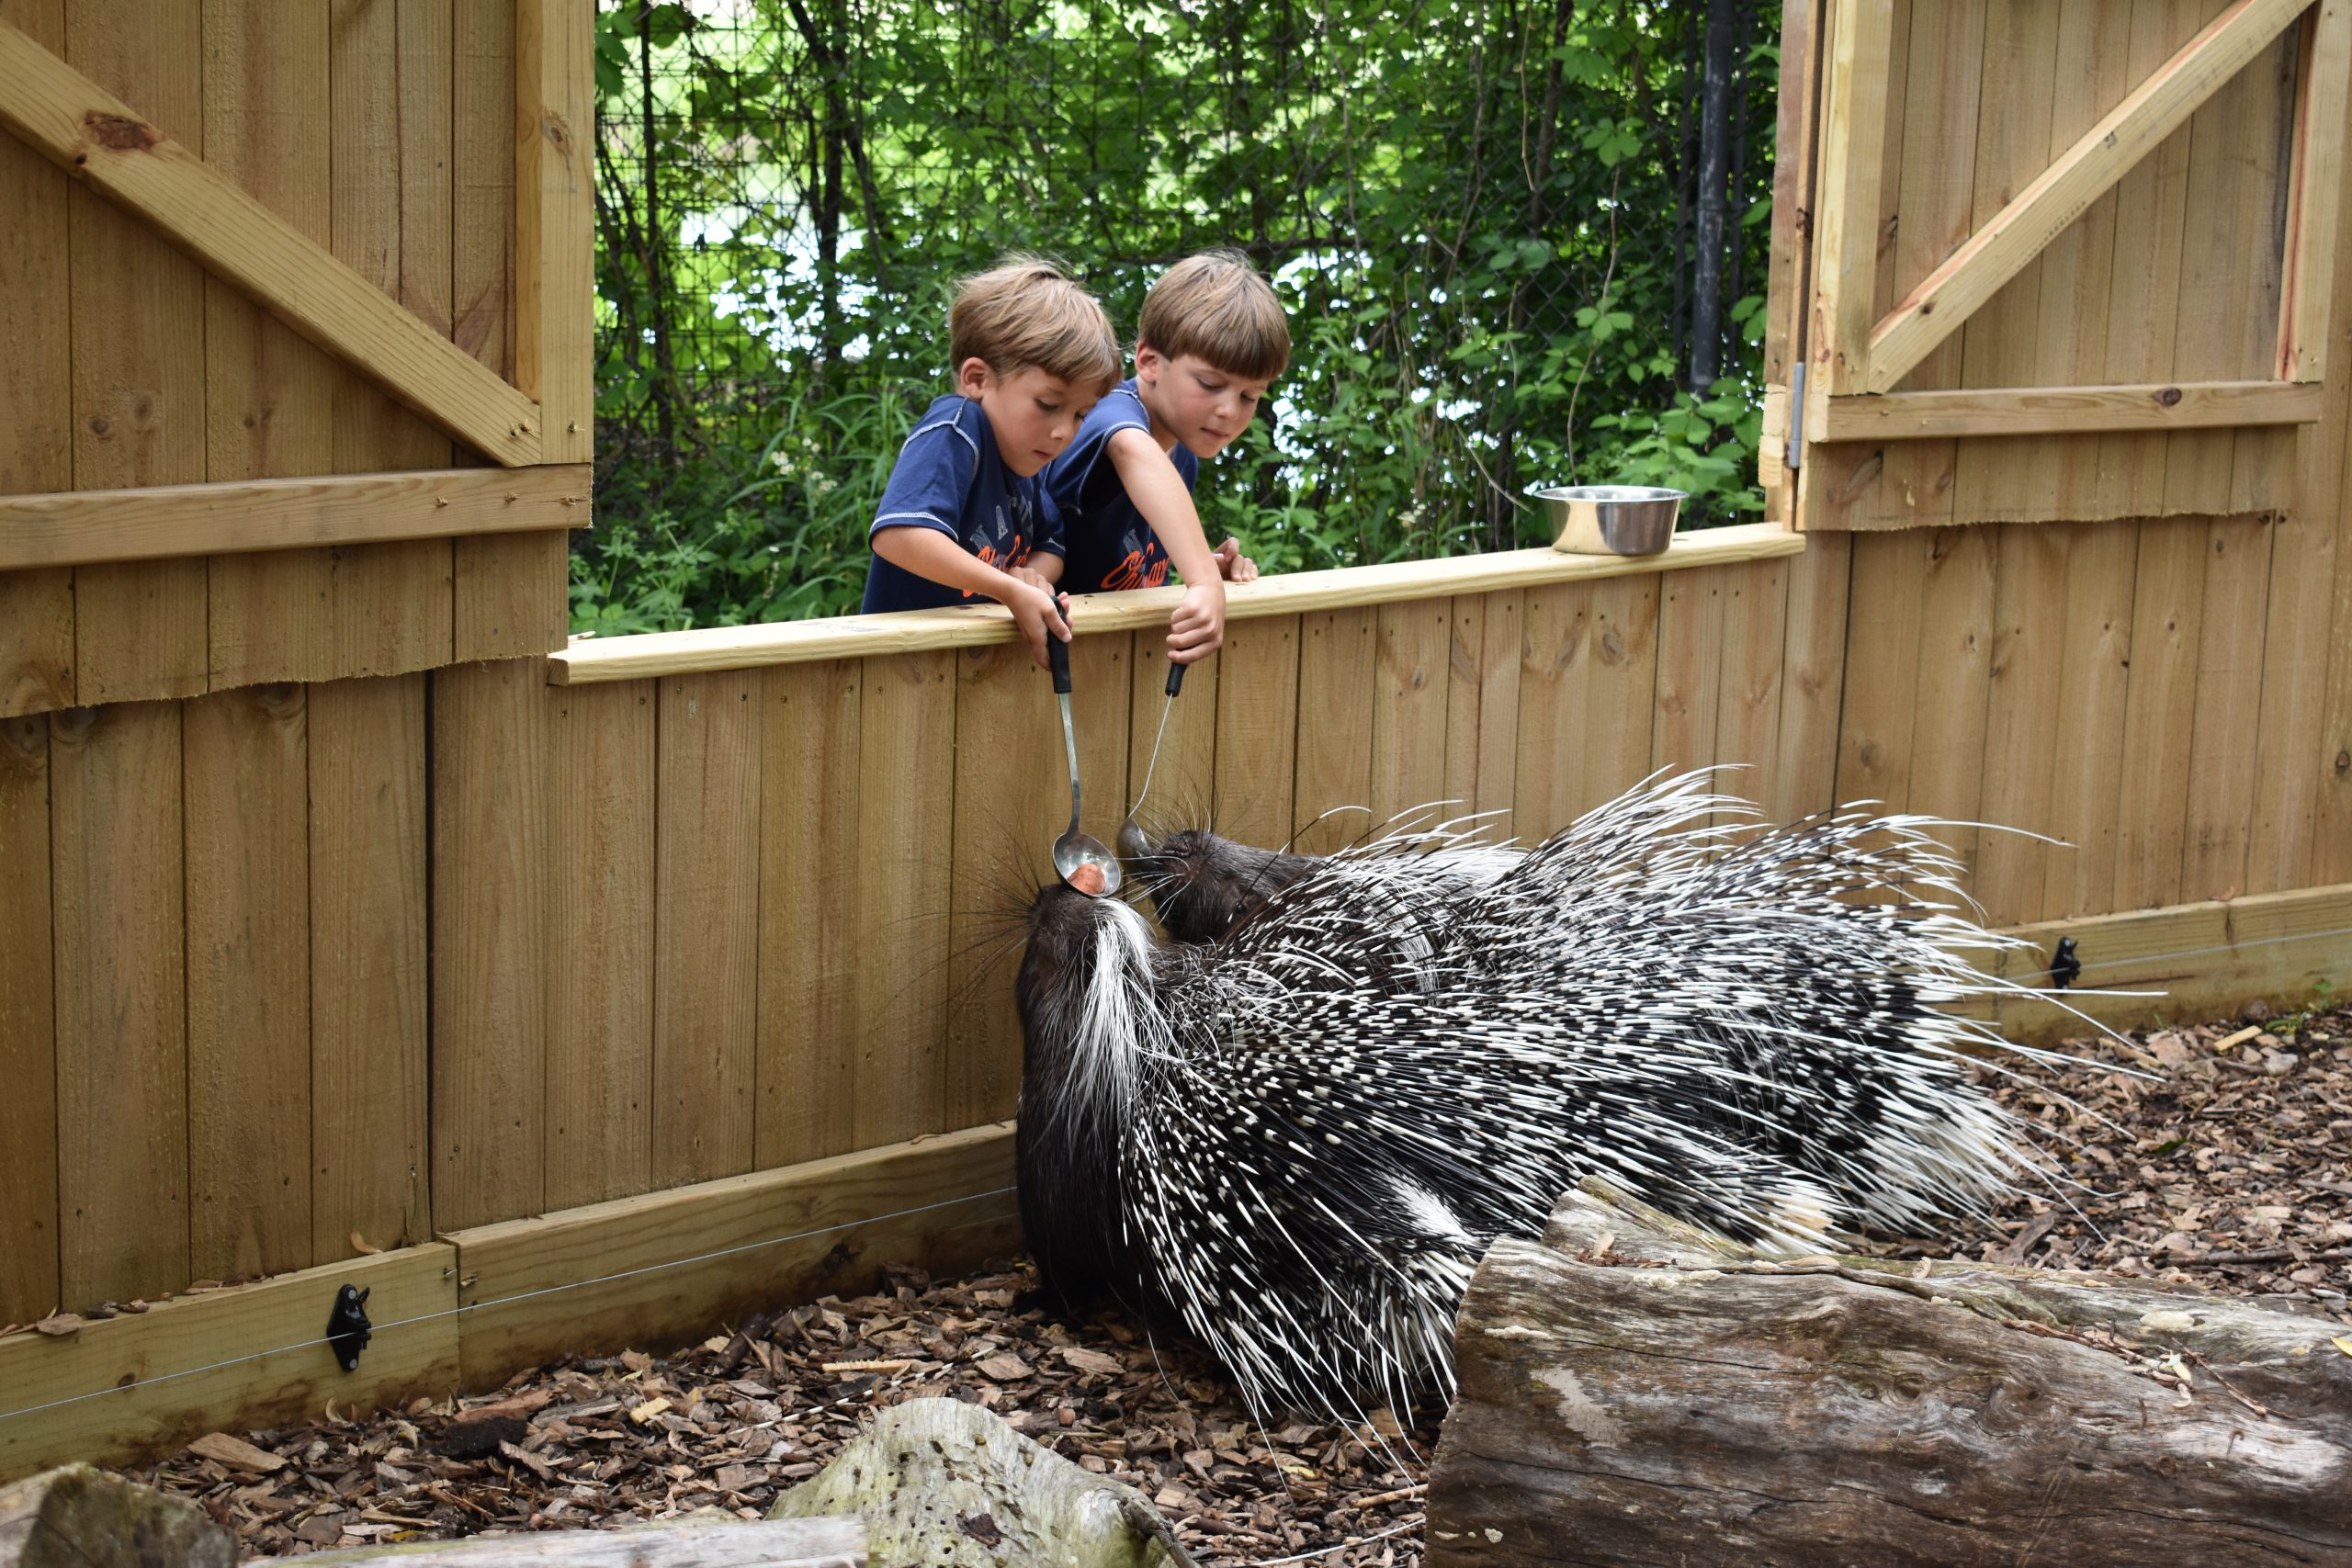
column 1296, row 1132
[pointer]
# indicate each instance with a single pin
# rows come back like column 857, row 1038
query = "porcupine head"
column 1086, row 992
column 1203, row 886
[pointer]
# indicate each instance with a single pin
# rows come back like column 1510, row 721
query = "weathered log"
column 80, row 1517
column 949, row 1486
column 1633, row 1393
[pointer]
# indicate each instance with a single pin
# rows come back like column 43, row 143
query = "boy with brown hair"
column 964, row 515
column 1211, row 339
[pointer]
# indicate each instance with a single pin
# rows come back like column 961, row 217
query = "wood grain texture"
column 602, row 851
column 246, row 786
column 2061, row 404
column 1587, row 690
column 121, row 937
column 371, row 1085
column 269, row 409
column 1556, row 633
column 1257, row 721
column 2160, row 710
column 904, row 856
column 1599, row 1376
column 706, row 926
column 139, row 393
column 1949, row 697
column 1802, row 778
column 1690, row 628
column 810, row 793
column 1748, row 717
column 36, row 364
column 1183, row 778
column 489, row 883
column 1482, row 706
column 820, row 1228
column 1881, row 666
column 236, row 1336
column 2025, row 674
column 1412, row 685
column 28, row 1055
column 2227, row 737
column 1338, row 674
column 555, row 214
column 1853, row 139
column 2087, row 733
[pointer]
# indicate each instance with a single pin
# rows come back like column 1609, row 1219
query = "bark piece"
column 1630, row 1390
column 945, row 1483
column 476, row 1433
column 80, row 1517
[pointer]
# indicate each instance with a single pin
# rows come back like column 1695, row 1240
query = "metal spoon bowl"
column 1074, row 852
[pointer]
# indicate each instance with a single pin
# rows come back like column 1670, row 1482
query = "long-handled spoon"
column 1131, row 839
column 1079, row 860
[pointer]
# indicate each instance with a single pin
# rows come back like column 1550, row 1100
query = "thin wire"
column 518, row 1296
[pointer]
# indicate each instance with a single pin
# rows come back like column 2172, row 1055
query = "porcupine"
column 1297, row 1133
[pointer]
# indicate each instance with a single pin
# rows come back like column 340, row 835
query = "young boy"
column 1211, row 339
column 963, row 516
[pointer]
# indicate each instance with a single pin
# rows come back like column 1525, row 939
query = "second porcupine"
column 1299, row 1138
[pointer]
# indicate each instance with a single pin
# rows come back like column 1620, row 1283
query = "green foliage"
column 1478, row 214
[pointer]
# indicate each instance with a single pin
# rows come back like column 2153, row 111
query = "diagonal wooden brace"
column 100, row 141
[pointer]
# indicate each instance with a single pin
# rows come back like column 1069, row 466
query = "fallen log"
column 1634, row 1393
column 693, row 1543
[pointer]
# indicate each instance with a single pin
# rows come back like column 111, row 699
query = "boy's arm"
column 1151, row 482
column 929, row 553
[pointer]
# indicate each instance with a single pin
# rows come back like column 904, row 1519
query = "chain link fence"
column 1520, row 243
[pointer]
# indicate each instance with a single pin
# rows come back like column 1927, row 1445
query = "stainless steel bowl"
column 1612, row 520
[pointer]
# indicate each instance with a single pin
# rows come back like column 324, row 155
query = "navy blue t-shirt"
column 949, row 475
column 1105, row 540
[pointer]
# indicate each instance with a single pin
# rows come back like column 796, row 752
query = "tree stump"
column 1634, row 1393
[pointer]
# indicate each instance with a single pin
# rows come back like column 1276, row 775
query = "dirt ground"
column 2229, row 1166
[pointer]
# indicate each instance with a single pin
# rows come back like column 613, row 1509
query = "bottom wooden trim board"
column 145, row 1384
column 2199, row 960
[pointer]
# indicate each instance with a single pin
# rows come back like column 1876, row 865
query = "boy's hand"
column 1232, row 565
column 1039, row 612
column 1033, row 577
column 1197, row 628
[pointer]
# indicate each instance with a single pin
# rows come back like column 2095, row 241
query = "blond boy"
column 1211, row 339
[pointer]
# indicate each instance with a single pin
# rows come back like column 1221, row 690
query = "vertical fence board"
column 270, row 394
column 2160, row 706
column 2024, row 676
column 1482, row 706
column 2145, row 283
column 2232, row 164
column 1803, row 774
column 2304, row 550
column 2000, row 341
column 1618, row 687
column 139, row 392
column 1941, row 69
column 810, row 871
column 1555, row 639
column 2086, row 736
column 1948, row 700
column 1012, row 799
column 489, row 882
column 247, row 787
column 1748, row 717
column 1875, row 734
column 1337, row 652
column 29, row 1054
column 1691, row 630
column 903, row 862
column 121, row 1001
column 36, row 365
column 1183, row 777
column 370, row 1070
column 600, row 980
column 706, row 926
column 2227, row 724
column 2331, row 810
column 1257, row 723
column 2261, row 460
column 1409, row 710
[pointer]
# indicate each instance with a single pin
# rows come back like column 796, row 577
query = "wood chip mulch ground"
column 2230, row 1166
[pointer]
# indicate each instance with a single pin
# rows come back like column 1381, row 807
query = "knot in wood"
column 120, row 133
